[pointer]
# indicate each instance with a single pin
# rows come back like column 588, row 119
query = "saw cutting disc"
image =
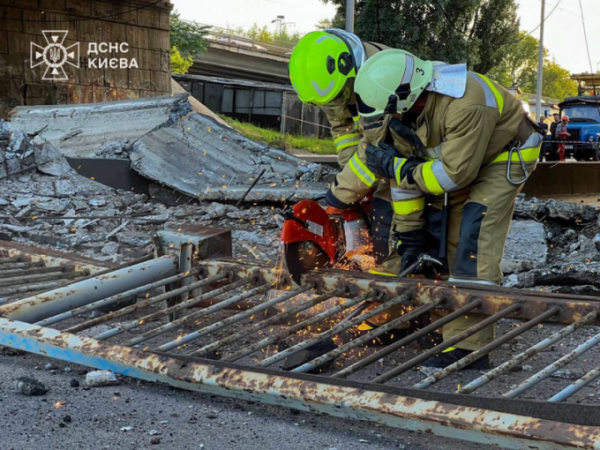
column 301, row 257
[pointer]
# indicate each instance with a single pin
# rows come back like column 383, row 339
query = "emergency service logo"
column 55, row 55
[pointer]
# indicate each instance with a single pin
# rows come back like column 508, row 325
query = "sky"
column 563, row 36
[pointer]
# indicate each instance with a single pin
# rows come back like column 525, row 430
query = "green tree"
column 520, row 67
column 471, row 31
column 188, row 39
column 180, row 65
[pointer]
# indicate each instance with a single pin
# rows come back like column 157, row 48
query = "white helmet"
column 390, row 82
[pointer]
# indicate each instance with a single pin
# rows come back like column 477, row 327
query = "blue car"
column 584, row 127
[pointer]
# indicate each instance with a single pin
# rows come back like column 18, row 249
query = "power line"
column 536, row 28
column 86, row 18
column 565, row 10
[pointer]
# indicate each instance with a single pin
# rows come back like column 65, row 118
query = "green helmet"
column 390, row 82
column 322, row 64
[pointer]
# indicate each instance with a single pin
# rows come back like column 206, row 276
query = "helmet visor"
column 354, row 44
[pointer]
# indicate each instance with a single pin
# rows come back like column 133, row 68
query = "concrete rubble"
column 169, row 143
column 201, row 167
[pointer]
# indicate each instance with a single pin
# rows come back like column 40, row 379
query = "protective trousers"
column 480, row 217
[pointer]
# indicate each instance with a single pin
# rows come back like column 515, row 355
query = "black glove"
column 409, row 167
column 410, row 246
column 380, row 160
column 334, row 202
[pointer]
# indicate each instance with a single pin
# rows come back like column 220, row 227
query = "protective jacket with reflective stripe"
column 468, row 133
column 344, row 119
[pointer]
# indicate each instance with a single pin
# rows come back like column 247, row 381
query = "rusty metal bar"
column 36, row 271
column 20, row 280
column 194, row 301
column 405, row 341
column 10, row 290
column 265, row 323
column 577, row 386
column 9, row 260
column 367, row 337
column 527, row 354
column 233, row 319
column 249, row 313
column 306, row 393
column 549, row 370
column 446, row 344
column 113, row 299
column 477, row 354
column 192, row 317
column 185, row 265
column 47, row 304
column 144, row 303
column 22, row 265
column 275, row 337
column 336, row 329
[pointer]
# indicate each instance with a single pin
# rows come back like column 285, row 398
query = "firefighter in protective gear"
column 473, row 142
column 323, row 68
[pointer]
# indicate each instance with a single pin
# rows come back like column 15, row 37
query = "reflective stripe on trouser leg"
column 436, row 179
column 406, row 201
column 362, row 171
column 346, row 140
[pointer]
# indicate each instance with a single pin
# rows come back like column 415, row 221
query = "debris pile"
column 200, row 168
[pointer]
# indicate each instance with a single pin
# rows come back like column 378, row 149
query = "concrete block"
column 140, row 79
column 58, row 5
column 12, row 66
column 89, row 31
column 20, row 43
column 149, row 18
column 7, row 19
column 526, row 247
column 79, row 7
column 149, row 60
column 3, row 41
column 165, row 62
column 159, row 40
column 161, row 81
column 101, row 9
column 137, row 36
column 114, row 32
column 126, row 15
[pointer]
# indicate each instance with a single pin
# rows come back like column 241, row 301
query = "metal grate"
column 252, row 318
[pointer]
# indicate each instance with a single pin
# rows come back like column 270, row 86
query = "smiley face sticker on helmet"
column 320, row 67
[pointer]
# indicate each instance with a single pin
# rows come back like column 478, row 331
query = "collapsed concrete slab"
column 82, row 130
column 168, row 143
column 206, row 160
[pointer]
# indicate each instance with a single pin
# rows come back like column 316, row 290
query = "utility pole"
column 350, row 16
column 538, row 101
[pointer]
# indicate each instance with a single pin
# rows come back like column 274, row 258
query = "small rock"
column 155, row 441
column 566, row 375
column 29, row 386
column 126, row 429
column 48, row 367
column 527, row 368
column 98, row 378
column 212, row 416
column 154, row 433
column 62, row 424
column 67, row 419
column 67, row 370
column 363, row 441
column 74, row 383
column 428, row 370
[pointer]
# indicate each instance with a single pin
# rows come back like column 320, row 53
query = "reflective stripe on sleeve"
column 398, row 164
column 346, row 140
column 362, row 171
column 436, row 179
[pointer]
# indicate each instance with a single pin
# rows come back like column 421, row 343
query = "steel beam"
column 41, row 306
column 307, row 393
